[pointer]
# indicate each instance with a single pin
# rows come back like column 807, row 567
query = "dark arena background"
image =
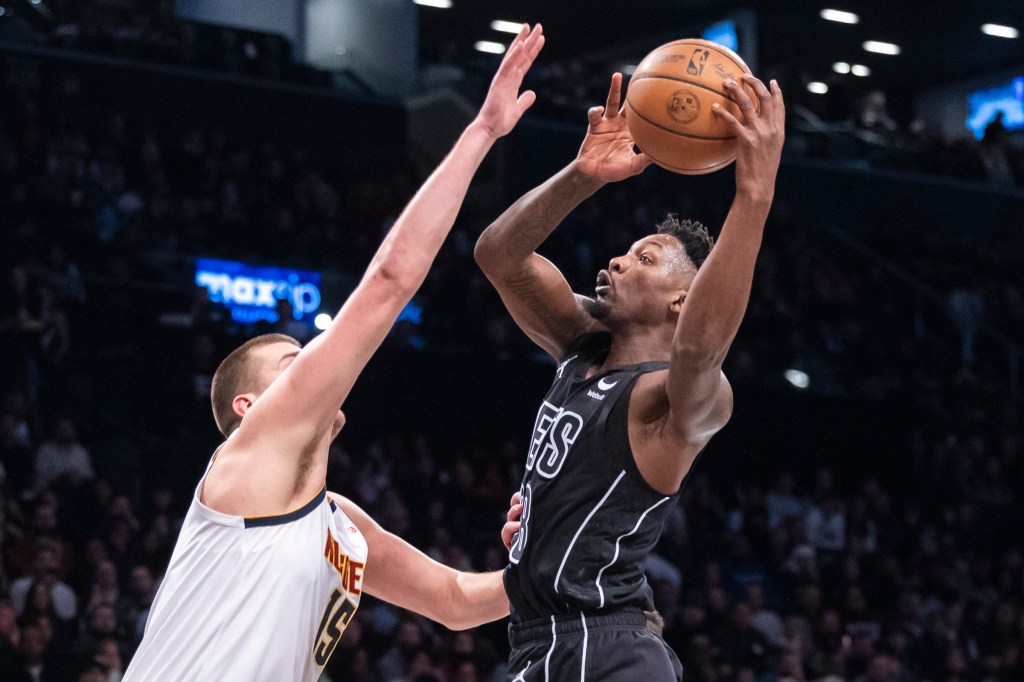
column 859, row 519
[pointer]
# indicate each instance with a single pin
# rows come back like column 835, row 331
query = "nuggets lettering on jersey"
column 589, row 519
column 341, row 606
column 351, row 571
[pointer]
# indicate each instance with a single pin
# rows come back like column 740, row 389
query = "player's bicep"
column 543, row 305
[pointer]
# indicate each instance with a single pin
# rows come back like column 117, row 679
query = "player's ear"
column 241, row 404
column 676, row 306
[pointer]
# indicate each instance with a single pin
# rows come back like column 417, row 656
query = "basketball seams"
column 677, row 79
column 675, row 132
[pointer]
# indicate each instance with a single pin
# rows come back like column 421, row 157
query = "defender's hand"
column 759, row 133
column 607, row 151
column 504, row 106
column 511, row 527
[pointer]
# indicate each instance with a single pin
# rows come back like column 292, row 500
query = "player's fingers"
column 509, row 61
column 760, row 91
column 594, row 115
column 738, row 95
column 524, row 56
column 517, row 497
column 514, row 512
column 611, row 105
column 524, row 33
column 526, row 101
column 508, row 533
column 535, row 42
column 730, row 120
column 778, row 102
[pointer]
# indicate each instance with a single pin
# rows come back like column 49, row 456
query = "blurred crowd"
column 856, row 127
column 803, row 575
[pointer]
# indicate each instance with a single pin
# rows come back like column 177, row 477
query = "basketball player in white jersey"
column 269, row 567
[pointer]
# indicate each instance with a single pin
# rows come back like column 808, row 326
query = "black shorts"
column 616, row 646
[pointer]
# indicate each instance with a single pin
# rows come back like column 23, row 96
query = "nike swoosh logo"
column 606, row 385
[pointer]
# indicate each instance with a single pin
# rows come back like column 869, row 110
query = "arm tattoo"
column 524, row 285
column 533, row 218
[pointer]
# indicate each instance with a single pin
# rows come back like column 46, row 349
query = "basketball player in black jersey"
column 639, row 391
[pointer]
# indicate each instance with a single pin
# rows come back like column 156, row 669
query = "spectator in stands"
column 63, row 459
column 45, row 572
column 33, row 663
column 21, row 327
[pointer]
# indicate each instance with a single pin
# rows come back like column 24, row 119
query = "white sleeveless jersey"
column 253, row 599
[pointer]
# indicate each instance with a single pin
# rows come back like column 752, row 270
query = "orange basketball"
column 668, row 105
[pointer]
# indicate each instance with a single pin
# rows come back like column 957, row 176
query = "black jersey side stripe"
column 583, row 525
column 615, row 557
column 547, row 659
column 583, row 662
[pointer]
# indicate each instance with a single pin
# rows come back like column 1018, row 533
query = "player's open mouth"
column 604, row 282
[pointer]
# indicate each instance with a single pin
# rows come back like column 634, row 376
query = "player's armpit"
column 700, row 403
column 672, row 419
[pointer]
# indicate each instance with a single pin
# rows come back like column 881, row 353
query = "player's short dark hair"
column 235, row 376
column 694, row 236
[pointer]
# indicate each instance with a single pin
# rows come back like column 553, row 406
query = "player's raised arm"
column 533, row 289
column 295, row 415
column 700, row 400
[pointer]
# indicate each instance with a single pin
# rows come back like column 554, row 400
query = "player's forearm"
column 717, row 299
column 406, row 254
column 477, row 598
column 524, row 226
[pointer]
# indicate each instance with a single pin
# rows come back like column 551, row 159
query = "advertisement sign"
column 260, row 293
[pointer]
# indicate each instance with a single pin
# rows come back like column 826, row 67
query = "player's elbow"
column 448, row 614
column 396, row 273
column 456, row 624
column 484, row 251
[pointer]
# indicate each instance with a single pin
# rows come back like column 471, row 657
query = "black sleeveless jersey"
column 589, row 519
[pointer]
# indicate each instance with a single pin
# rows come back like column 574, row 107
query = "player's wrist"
column 755, row 196
column 481, row 131
column 582, row 179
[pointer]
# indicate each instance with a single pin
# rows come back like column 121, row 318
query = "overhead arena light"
column 879, row 47
column 489, row 46
column 322, row 321
column 839, row 16
column 440, row 4
column 797, row 378
column 999, row 31
column 506, row 26
column 841, row 67
column 860, row 70
column 817, row 87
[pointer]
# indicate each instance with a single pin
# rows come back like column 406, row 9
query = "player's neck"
column 632, row 346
